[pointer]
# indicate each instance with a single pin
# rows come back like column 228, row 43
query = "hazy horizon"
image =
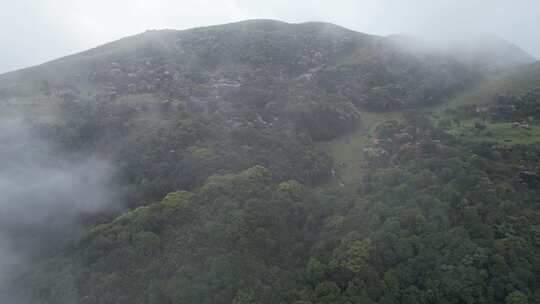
column 66, row 27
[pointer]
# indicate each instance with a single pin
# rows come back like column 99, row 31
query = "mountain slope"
column 240, row 53
column 267, row 162
column 285, row 46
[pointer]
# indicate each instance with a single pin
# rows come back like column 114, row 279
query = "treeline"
column 440, row 221
column 159, row 147
column 435, row 220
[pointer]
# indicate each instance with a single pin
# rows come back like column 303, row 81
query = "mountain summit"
column 291, row 63
column 255, row 47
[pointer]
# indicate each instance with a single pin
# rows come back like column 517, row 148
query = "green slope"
column 225, row 138
column 515, row 81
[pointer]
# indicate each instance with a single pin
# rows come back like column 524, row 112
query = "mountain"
column 268, row 162
column 233, row 54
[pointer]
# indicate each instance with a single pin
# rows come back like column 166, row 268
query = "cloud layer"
column 43, row 195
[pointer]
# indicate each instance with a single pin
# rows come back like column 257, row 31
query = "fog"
column 48, row 196
column 43, row 196
column 35, row 31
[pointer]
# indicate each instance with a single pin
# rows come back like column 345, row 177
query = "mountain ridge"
column 270, row 23
column 263, row 25
column 173, row 61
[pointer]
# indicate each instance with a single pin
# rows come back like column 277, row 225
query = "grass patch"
column 38, row 108
column 346, row 151
column 500, row 133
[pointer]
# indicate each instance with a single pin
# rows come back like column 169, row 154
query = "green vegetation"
column 347, row 151
column 435, row 219
column 263, row 162
column 501, row 133
column 516, row 81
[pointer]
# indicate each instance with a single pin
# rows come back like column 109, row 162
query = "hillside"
column 268, row 162
column 240, row 53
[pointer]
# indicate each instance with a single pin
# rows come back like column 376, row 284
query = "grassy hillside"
column 347, row 150
column 516, row 81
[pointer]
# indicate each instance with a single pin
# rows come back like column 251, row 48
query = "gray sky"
column 35, row 31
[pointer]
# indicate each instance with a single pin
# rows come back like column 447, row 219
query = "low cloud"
column 43, row 196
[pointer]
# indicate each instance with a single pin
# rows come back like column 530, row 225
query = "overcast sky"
column 36, row 31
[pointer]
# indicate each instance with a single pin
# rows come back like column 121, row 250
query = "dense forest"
column 230, row 189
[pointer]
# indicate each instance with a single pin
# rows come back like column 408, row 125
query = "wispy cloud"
column 43, row 195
